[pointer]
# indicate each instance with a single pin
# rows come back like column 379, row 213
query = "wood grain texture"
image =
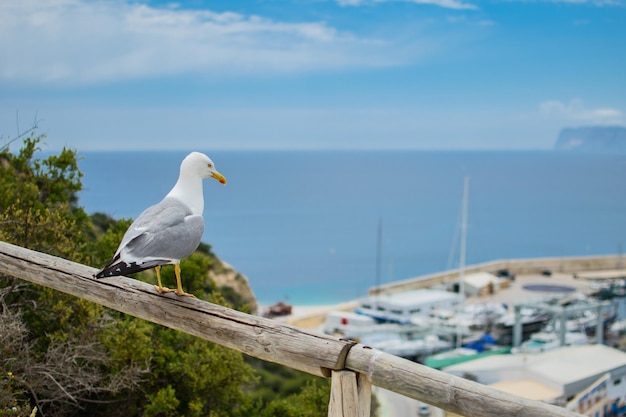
column 344, row 397
column 364, row 390
column 252, row 335
column 350, row 395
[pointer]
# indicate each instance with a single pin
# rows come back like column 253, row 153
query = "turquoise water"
column 302, row 226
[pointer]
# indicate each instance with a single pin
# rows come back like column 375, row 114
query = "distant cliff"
column 592, row 139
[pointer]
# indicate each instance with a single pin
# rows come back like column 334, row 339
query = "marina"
column 504, row 323
column 499, row 331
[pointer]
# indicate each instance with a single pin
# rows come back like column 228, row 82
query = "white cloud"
column 448, row 4
column 81, row 41
column 575, row 112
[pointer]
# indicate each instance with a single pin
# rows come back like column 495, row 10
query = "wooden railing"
column 353, row 367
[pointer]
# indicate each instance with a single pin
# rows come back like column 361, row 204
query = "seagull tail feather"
column 118, row 267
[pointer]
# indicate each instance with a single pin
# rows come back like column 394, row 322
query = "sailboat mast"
column 379, row 244
column 459, row 335
column 463, row 238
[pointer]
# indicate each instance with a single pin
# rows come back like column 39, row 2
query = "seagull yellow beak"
column 219, row 177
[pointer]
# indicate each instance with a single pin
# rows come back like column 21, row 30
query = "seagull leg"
column 160, row 288
column 179, row 290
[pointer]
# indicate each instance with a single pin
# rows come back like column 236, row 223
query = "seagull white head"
column 198, row 164
column 188, row 189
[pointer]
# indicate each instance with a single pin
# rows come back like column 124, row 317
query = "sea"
column 322, row 227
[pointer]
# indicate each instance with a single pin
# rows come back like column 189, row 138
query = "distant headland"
column 592, row 139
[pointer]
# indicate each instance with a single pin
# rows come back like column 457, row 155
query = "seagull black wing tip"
column 122, row 268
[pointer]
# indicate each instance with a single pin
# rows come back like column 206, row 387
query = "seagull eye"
column 210, row 165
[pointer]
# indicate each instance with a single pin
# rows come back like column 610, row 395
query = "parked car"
column 423, row 410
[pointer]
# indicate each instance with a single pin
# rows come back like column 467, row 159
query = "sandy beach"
column 312, row 316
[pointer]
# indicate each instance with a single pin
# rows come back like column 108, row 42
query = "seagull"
column 168, row 231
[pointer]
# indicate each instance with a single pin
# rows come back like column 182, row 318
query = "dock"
column 577, row 273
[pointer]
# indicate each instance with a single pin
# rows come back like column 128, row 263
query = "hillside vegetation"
column 66, row 356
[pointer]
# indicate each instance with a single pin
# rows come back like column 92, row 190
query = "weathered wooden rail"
column 353, row 367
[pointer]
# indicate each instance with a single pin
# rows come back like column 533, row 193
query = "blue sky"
column 310, row 74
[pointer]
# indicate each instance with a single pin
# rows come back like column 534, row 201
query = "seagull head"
column 199, row 164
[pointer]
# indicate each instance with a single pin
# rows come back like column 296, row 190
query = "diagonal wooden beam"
column 256, row 336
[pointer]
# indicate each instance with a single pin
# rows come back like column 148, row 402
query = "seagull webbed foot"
column 183, row 293
column 163, row 290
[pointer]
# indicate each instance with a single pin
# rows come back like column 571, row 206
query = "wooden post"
column 364, row 389
column 344, row 397
column 350, row 395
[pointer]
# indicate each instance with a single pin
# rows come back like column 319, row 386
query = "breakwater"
column 513, row 266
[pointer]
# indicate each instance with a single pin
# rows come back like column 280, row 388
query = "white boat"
column 618, row 327
column 455, row 323
column 543, row 341
column 347, row 324
column 473, row 320
column 401, row 345
column 404, row 307
column 355, row 326
column 532, row 321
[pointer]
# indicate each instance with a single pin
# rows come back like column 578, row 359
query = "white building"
column 588, row 378
column 481, row 283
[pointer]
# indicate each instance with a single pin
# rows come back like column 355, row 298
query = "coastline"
column 311, row 317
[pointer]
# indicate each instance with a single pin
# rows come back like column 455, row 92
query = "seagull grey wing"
column 168, row 230
column 152, row 218
column 162, row 234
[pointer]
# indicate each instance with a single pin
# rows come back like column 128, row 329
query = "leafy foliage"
column 312, row 401
column 67, row 356
column 38, row 200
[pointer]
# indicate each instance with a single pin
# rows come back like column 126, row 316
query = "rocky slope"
column 225, row 276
